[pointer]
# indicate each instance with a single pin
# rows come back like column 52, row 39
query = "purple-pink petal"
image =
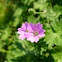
column 31, row 32
column 22, row 37
column 27, row 34
column 29, row 28
column 32, row 39
column 41, row 35
column 36, row 39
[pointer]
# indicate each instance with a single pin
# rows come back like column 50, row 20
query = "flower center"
column 27, row 31
column 35, row 33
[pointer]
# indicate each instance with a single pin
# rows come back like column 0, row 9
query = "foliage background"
column 15, row 12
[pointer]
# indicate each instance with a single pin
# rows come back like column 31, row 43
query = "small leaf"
column 31, row 19
column 18, row 12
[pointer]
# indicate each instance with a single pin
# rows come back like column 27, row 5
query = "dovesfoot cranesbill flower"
column 32, row 32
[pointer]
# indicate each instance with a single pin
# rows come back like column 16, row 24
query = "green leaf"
column 17, row 20
column 40, row 4
column 24, row 1
column 53, row 35
column 18, row 12
column 30, row 1
column 6, row 33
column 31, row 19
column 57, row 55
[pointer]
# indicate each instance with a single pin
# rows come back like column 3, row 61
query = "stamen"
column 35, row 33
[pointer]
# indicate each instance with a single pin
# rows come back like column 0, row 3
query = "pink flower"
column 31, row 32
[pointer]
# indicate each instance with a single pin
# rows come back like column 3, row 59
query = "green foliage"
column 54, row 35
column 15, row 12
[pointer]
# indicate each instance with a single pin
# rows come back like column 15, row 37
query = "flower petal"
column 41, row 31
column 24, row 26
column 20, row 32
column 31, row 38
column 36, row 39
column 41, row 35
column 22, row 37
column 29, row 28
column 28, row 34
